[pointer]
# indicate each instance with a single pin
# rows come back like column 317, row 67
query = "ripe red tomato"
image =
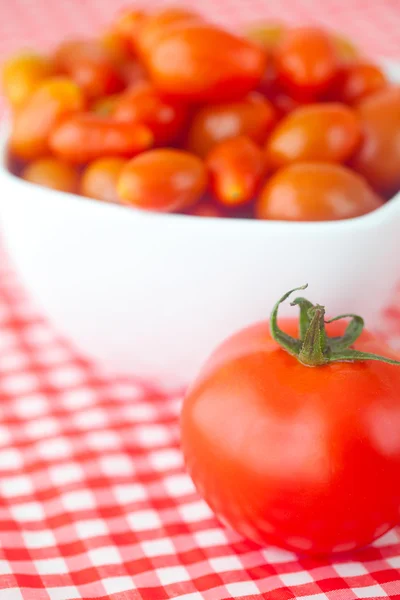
column 236, row 167
column 306, row 458
column 378, row 158
column 155, row 26
column 86, row 137
column 54, row 99
column 315, row 192
column 253, row 116
column 163, row 180
column 316, row 132
column 356, row 81
column 99, row 179
column 143, row 104
column 90, row 65
column 183, row 63
column 306, row 62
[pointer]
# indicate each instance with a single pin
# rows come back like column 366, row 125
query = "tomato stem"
column 315, row 348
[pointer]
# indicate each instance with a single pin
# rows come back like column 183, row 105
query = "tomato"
column 163, row 180
column 22, row 74
column 306, row 62
column 206, row 209
column 253, row 116
column 53, row 99
column 306, row 458
column 378, row 158
column 143, row 104
column 183, row 63
column 128, row 24
column 236, row 167
column 89, row 64
column 317, row 132
column 105, row 105
column 267, row 35
column 99, row 179
column 315, row 192
column 161, row 22
column 86, row 137
column 116, row 47
column 358, row 80
column 132, row 72
column 52, row 173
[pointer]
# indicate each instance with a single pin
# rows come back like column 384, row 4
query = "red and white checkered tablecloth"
column 94, row 498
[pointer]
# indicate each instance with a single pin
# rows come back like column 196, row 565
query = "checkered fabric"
column 94, row 498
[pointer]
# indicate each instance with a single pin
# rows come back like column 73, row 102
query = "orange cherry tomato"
column 253, row 116
column 206, row 208
column 316, row 132
column 267, row 35
column 86, row 137
column 236, row 167
column 163, row 180
column 306, row 62
column 315, row 192
column 89, row 64
column 52, row 173
column 378, row 158
column 116, row 47
column 22, row 74
column 184, row 63
column 358, row 80
column 143, row 104
column 54, row 99
column 128, row 24
column 155, row 25
column 99, row 179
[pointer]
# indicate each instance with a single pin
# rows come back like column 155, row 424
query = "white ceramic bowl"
column 152, row 294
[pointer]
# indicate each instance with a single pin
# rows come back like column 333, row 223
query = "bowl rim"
column 375, row 218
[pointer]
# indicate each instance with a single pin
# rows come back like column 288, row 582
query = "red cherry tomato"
column 291, row 455
column 315, row 192
column 99, row 179
column 86, row 137
column 306, row 62
column 143, row 104
column 378, row 158
column 128, row 24
column 183, row 63
column 161, row 22
column 54, row 99
column 357, row 81
column 253, row 116
column 52, row 173
column 236, row 167
column 163, row 180
column 317, row 132
column 90, row 65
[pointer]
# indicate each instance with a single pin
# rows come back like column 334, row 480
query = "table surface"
column 94, row 498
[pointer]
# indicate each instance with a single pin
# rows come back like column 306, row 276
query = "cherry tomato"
column 89, row 64
column 86, row 137
column 163, row 180
column 132, row 72
column 306, row 62
column 206, row 209
column 143, row 104
column 52, row 173
column 116, row 47
column 236, row 167
column 99, row 179
column 267, row 35
column 157, row 24
column 315, row 192
column 253, row 116
column 378, row 158
column 317, row 132
column 294, row 456
column 105, row 105
column 54, row 99
column 22, row 74
column 128, row 25
column 183, row 63
column 358, row 80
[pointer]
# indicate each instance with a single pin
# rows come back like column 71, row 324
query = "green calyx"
column 315, row 348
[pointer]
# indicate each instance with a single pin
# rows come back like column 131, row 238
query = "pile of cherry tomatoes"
column 169, row 112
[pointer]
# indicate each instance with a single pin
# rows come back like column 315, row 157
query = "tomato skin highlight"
column 291, row 455
column 99, row 179
column 311, row 191
column 317, row 132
